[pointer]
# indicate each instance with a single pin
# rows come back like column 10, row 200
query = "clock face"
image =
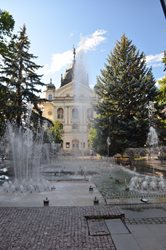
column 49, row 112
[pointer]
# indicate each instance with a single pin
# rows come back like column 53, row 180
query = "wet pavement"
column 95, row 227
column 66, row 193
column 146, row 227
column 55, row 228
column 72, row 220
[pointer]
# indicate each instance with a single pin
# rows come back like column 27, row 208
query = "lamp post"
column 163, row 4
column 108, row 144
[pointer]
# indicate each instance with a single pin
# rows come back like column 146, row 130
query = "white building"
column 71, row 104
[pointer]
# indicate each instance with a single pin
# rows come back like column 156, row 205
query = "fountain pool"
column 120, row 182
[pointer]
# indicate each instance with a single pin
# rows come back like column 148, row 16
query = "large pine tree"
column 124, row 89
column 6, row 28
column 19, row 75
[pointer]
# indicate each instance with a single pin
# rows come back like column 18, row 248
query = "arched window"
column 60, row 113
column 75, row 144
column 75, row 114
column 90, row 113
column 49, row 97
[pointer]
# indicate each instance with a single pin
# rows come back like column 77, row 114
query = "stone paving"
column 51, row 228
column 146, row 227
column 73, row 222
column 98, row 227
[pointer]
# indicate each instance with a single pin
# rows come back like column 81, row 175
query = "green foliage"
column 124, row 88
column 18, row 75
column 161, row 98
column 92, row 136
column 6, row 22
column 161, row 107
column 6, row 27
column 56, row 131
column 164, row 60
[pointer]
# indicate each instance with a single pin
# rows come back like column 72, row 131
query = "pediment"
column 66, row 90
column 71, row 90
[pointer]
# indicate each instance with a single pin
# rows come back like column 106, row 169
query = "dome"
column 50, row 85
column 68, row 76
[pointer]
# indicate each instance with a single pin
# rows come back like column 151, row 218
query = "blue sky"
column 92, row 26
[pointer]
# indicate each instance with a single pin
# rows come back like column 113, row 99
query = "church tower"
column 73, row 110
column 50, row 91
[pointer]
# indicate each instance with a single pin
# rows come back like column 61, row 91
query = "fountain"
column 113, row 180
column 121, row 182
column 26, row 155
column 148, row 183
column 152, row 139
column 144, row 182
column 82, row 102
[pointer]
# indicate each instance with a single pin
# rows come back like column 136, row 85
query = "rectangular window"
column 67, row 144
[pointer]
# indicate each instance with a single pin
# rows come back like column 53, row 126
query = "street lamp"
column 108, row 144
column 108, row 138
column 163, row 4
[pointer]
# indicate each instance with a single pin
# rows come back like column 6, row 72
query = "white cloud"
column 92, row 41
column 60, row 60
column 155, row 60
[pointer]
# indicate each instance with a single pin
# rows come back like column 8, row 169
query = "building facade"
column 71, row 104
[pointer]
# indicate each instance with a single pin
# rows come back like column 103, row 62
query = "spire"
column 68, row 76
column 74, row 54
column 61, row 78
column 50, row 85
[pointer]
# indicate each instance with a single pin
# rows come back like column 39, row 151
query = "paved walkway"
column 67, row 193
column 144, row 228
column 83, row 228
column 72, row 221
column 55, row 228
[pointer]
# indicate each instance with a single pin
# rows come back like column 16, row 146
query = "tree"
column 124, row 90
column 19, row 75
column 162, row 91
column 164, row 60
column 54, row 132
column 92, row 136
column 57, row 131
column 161, row 107
column 6, row 28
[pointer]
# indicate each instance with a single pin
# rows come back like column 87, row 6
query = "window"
column 49, row 97
column 75, row 144
column 90, row 113
column 60, row 113
column 75, row 114
column 67, row 144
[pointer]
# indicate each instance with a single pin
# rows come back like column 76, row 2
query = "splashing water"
column 152, row 139
column 147, row 183
column 26, row 153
